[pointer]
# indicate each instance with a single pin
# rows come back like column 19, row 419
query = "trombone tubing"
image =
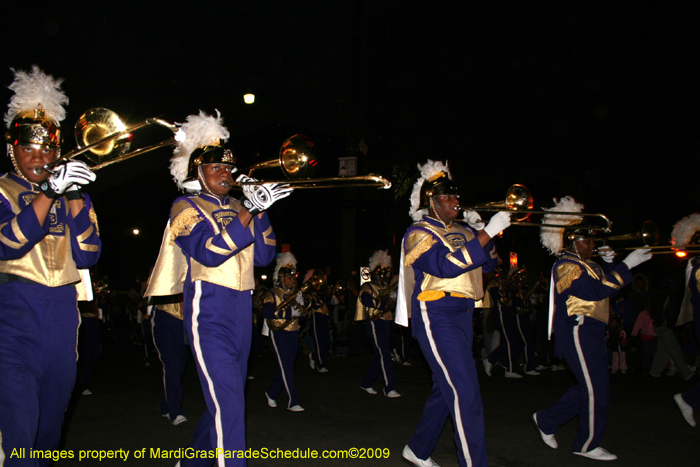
column 666, row 249
column 77, row 151
column 330, row 182
column 607, row 227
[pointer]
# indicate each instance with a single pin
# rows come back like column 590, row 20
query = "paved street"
column 645, row 427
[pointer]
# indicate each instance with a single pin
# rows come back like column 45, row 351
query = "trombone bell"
column 298, row 157
column 518, row 197
column 96, row 125
column 297, row 160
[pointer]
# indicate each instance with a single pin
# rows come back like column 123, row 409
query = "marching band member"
column 524, row 318
column 285, row 340
column 441, row 276
column 579, row 312
column 169, row 339
column 208, row 252
column 505, row 317
column 683, row 233
column 320, row 331
column 48, row 230
column 378, row 316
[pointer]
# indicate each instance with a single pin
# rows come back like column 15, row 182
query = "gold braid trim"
column 183, row 223
column 93, row 219
column 567, row 273
column 423, row 245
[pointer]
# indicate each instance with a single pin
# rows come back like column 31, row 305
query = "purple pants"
column 38, row 339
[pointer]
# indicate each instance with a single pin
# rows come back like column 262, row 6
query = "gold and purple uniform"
column 580, row 317
column 208, row 255
column 173, row 350
column 441, row 276
column 285, row 343
column 378, row 325
column 39, row 315
column 321, row 330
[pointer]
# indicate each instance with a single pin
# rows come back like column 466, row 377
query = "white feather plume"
column 552, row 238
column 684, row 230
column 200, row 130
column 427, row 172
column 35, row 90
column 285, row 260
column 380, row 258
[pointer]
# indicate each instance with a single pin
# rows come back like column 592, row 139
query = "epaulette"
column 183, row 218
column 270, row 297
column 566, row 273
column 418, row 241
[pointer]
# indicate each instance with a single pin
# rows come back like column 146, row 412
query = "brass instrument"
column 519, row 201
column 650, row 237
column 106, row 140
column 384, row 293
column 317, row 283
column 297, row 160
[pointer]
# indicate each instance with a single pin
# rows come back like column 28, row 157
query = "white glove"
column 72, row 172
column 265, row 195
column 637, row 257
column 474, row 220
column 300, row 299
column 498, row 223
column 248, row 190
column 606, row 253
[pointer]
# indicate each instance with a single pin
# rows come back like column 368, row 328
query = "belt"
column 455, row 295
column 6, row 277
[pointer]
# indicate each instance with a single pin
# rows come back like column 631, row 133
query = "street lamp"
column 249, row 97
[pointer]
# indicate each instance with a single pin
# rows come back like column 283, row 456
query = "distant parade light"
column 249, row 98
column 264, row 277
column 136, row 231
column 681, row 254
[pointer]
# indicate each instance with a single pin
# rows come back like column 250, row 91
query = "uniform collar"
column 223, row 202
column 437, row 222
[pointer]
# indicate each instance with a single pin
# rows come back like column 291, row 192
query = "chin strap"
column 202, row 181
column 11, row 152
column 439, row 213
column 577, row 253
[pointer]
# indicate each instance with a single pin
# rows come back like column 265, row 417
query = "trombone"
column 650, row 237
column 297, row 160
column 105, row 138
column 317, row 283
column 385, row 293
column 519, row 201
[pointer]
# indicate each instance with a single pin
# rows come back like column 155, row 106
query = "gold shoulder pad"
column 565, row 274
column 417, row 242
column 183, row 218
column 270, row 298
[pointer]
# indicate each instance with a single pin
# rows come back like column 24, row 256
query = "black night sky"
column 591, row 100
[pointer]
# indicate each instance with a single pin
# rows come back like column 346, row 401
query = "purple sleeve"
column 19, row 233
column 588, row 288
column 85, row 242
column 265, row 241
column 212, row 249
